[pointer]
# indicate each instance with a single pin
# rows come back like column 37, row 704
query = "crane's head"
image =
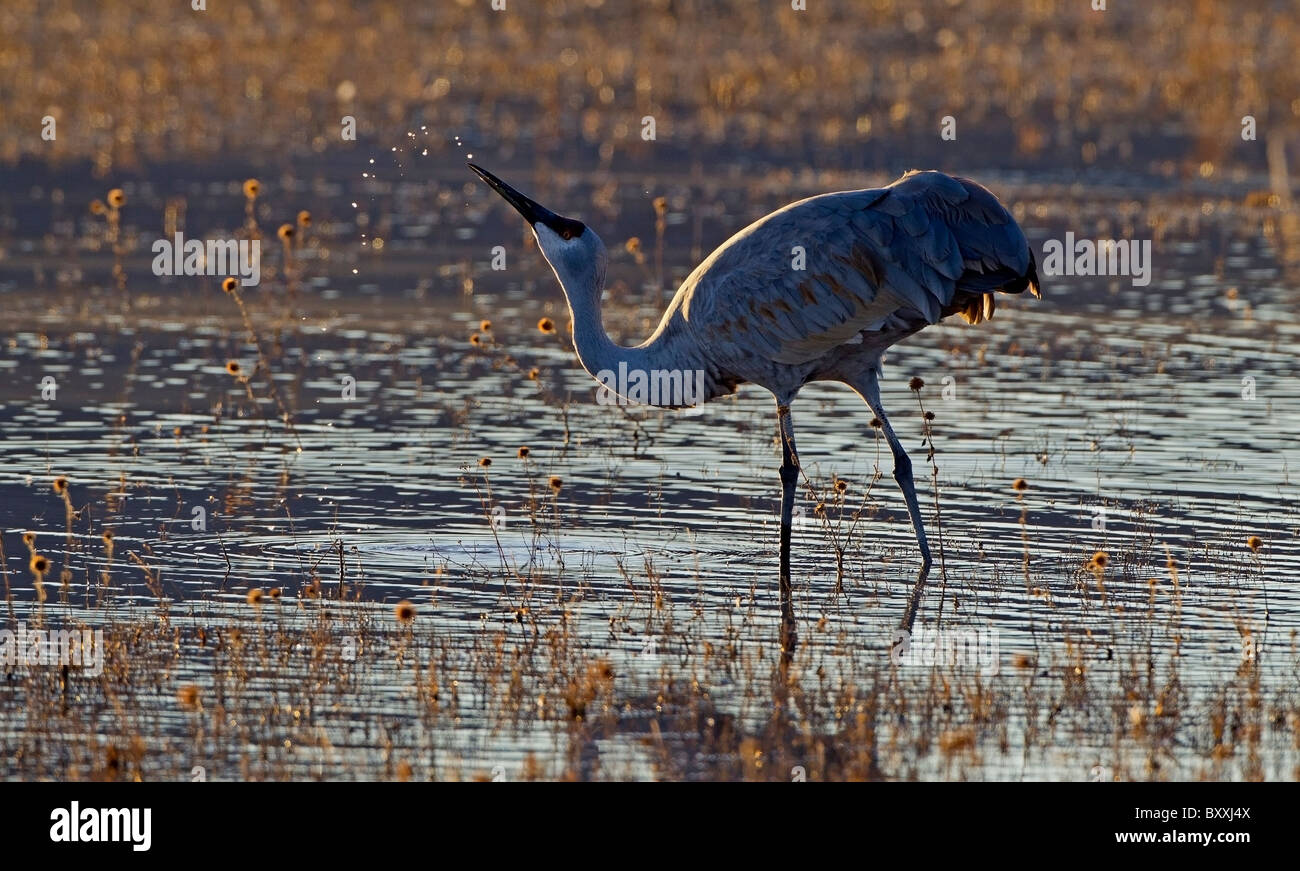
column 574, row 251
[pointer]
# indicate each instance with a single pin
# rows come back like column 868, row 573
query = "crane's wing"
column 814, row 274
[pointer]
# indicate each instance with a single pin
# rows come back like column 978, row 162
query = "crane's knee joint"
column 789, row 474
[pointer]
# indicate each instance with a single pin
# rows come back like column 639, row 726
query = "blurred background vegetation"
column 1152, row 87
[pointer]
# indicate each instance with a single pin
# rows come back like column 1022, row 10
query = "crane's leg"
column 789, row 477
column 869, row 388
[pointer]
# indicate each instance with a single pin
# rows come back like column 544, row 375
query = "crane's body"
column 815, row 291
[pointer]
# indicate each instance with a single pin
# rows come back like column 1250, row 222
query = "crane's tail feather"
column 975, row 306
column 1028, row 280
column 1035, row 287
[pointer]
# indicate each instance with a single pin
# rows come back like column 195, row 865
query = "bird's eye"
column 566, row 234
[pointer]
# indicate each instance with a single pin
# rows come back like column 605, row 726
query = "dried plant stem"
column 262, row 363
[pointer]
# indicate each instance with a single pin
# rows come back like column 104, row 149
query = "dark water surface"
column 625, row 625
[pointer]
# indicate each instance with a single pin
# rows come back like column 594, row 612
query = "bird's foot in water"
column 914, row 600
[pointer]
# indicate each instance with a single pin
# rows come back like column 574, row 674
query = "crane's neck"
column 596, row 350
column 667, row 369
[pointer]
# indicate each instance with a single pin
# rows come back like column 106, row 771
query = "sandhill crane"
column 815, row 291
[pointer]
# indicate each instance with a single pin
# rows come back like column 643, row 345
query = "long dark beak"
column 532, row 212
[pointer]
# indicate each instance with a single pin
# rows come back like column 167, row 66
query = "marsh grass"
column 681, row 686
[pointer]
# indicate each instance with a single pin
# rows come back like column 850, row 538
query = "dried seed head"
column 405, row 612
column 252, row 188
column 187, row 697
column 116, row 198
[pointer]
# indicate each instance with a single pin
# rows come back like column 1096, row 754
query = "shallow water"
column 648, row 580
